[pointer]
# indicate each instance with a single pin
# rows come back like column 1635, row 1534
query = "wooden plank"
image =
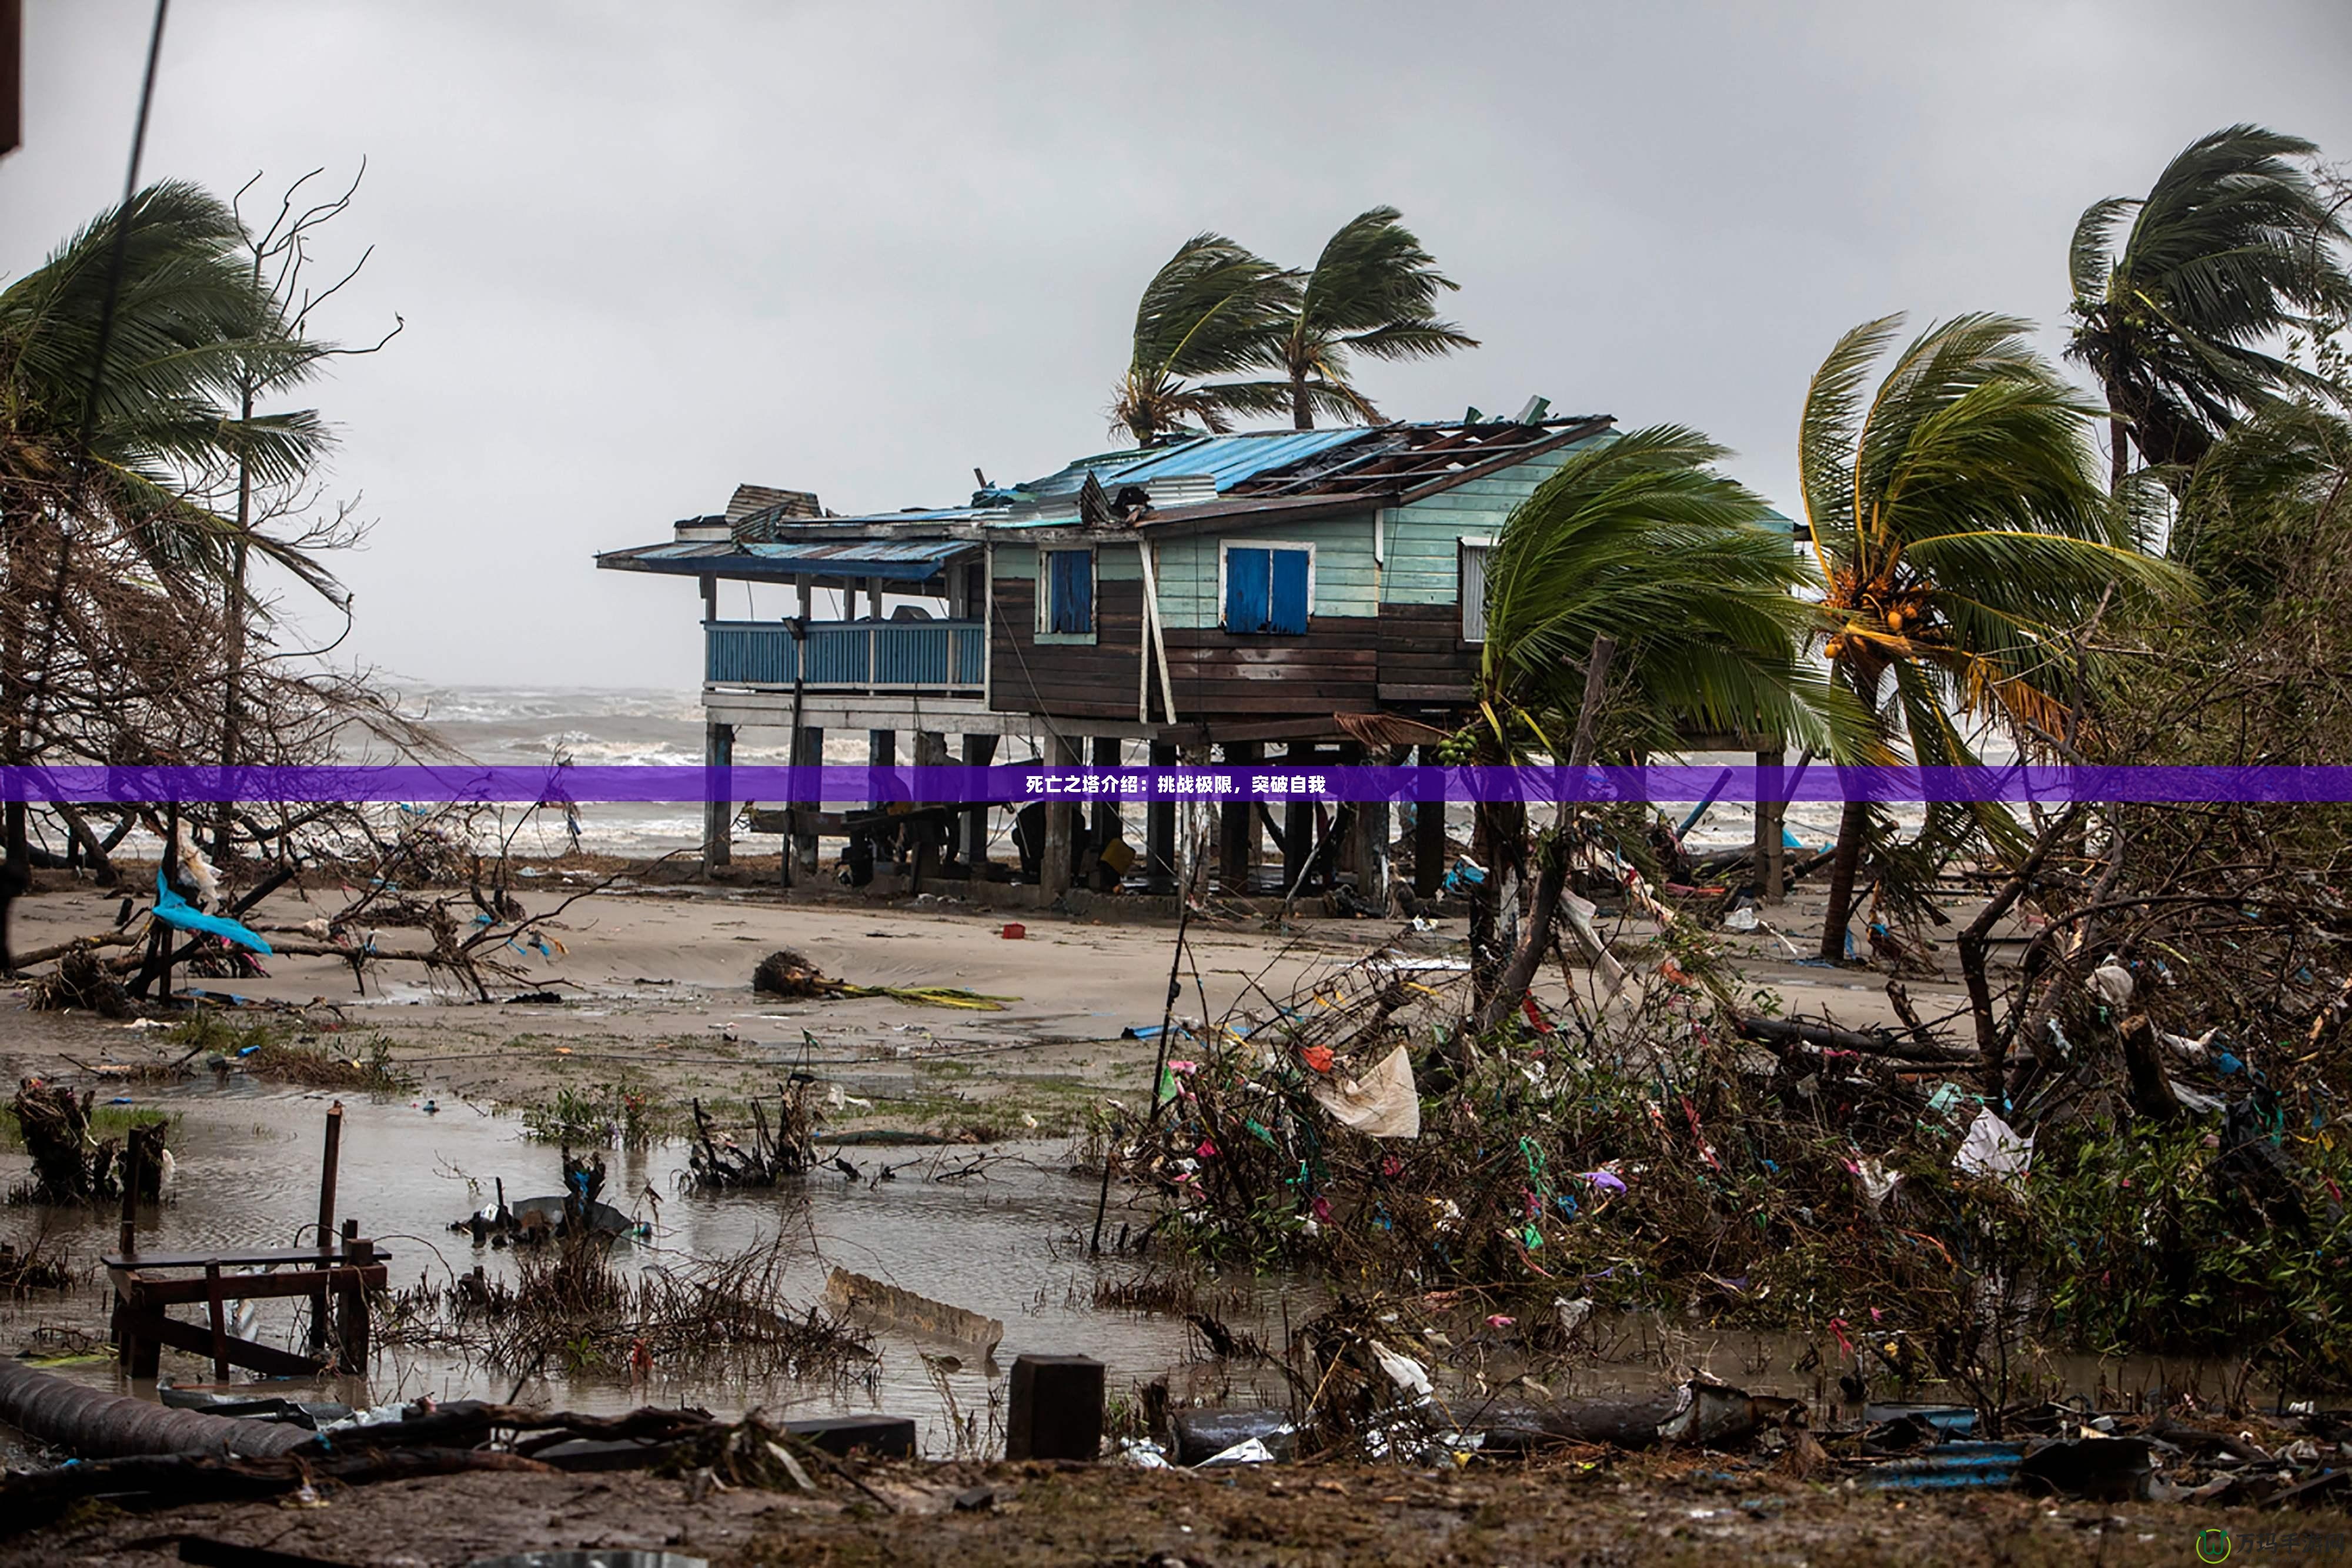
column 154, row 1328
column 252, row 1258
column 142, row 1290
column 1424, row 694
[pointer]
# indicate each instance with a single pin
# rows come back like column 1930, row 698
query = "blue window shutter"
column 1246, row 590
column 1286, row 606
column 1073, row 587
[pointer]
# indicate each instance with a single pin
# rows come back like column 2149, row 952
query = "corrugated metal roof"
column 893, row 560
column 1230, row 459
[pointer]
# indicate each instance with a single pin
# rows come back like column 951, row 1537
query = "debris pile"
column 720, row 1161
column 72, row 1164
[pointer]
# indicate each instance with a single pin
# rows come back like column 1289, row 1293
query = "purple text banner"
column 448, row 783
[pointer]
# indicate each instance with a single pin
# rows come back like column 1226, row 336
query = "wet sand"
column 657, row 982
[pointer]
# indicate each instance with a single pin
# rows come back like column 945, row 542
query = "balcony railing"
column 848, row 655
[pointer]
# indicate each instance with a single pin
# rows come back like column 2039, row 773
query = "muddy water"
column 1010, row 1243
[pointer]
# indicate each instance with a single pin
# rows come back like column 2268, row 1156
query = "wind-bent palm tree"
column 1373, row 291
column 2231, row 246
column 118, row 444
column 1639, row 541
column 1962, row 536
column 1209, row 311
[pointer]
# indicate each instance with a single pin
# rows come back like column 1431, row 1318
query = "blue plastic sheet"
column 180, row 916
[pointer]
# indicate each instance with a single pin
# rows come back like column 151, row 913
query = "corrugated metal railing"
column 854, row 655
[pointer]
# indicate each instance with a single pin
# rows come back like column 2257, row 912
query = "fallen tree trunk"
column 1796, row 1031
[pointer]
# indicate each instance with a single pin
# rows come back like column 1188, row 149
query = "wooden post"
column 1054, row 867
column 881, row 759
column 351, row 1324
column 808, row 751
column 719, row 812
column 1106, row 824
column 219, row 1314
column 978, row 751
column 930, row 751
column 1297, row 823
column 1428, row 837
column 128, row 1166
column 1237, row 823
column 1371, row 825
column 328, row 1162
column 1160, row 829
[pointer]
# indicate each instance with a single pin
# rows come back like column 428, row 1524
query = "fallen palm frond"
column 787, row 972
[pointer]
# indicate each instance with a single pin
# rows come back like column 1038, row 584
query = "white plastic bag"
column 1383, row 1103
column 1993, row 1148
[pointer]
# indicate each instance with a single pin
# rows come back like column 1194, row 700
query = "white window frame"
column 1485, row 544
column 1044, row 631
column 1225, row 546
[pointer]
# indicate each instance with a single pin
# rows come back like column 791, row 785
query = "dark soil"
column 1098, row 1514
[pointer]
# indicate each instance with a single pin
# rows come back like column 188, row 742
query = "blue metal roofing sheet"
column 1230, row 459
column 1227, row 459
column 893, row 560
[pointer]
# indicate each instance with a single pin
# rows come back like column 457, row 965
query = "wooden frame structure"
column 337, row 1273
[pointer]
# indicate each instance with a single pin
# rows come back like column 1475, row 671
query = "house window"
column 1268, row 587
column 1474, row 589
column 1065, row 593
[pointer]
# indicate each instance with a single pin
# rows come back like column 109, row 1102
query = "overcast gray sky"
column 647, row 251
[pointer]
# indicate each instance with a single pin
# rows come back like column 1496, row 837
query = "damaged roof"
column 1193, row 479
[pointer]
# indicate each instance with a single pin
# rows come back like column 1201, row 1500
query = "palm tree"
column 1373, row 291
column 1209, row 311
column 1637, row 549
column 116, row 439
column 2232, row 245
column 1962, row 537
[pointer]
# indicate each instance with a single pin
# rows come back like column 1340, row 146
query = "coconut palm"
column 1209, row 311
column 116, row 357
column 1691, row 581
column 1373, row 291
column 190, row 327
column 2231, row 247
column 1638, row 539
column 1962, row 536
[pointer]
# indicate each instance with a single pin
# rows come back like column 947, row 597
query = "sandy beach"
column 657, row 992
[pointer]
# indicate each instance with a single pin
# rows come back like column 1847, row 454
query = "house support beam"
column 719, row 813
column 1054, row 867
column 881, row 756
column 930, row 751
column 1371, row 850
column 978, row 751
column 1237, row 830
column 1106, row 751
column 1298, row 821
column 800, row 857
column 1159, row 830
column 1428, row 837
